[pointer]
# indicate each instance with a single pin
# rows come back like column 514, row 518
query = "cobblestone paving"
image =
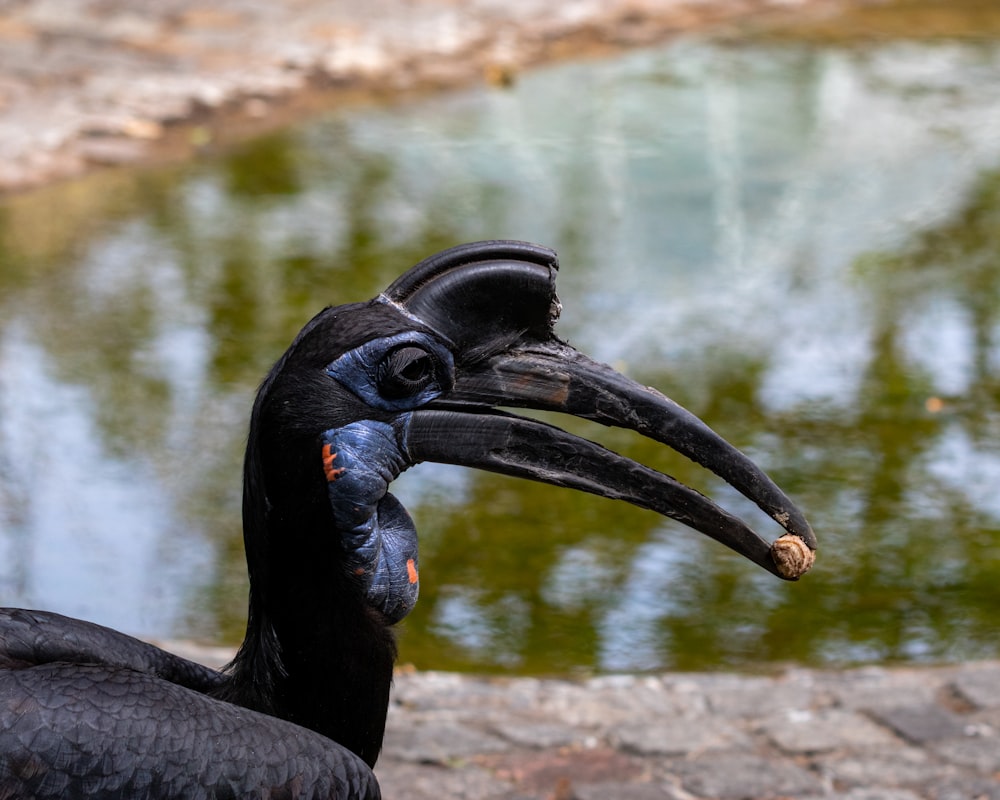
column 863, row 734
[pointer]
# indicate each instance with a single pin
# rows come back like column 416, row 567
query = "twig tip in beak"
column 792, row 556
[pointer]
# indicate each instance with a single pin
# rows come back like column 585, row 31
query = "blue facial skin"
column 358, row 370
column 362, row 458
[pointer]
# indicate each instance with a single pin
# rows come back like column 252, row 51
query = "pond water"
column 800, row 243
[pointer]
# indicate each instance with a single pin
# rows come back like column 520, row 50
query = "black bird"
column 365, row 391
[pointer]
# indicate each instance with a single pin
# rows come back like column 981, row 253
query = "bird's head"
column 419, row 373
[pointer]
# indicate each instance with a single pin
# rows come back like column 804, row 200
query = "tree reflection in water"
column 735, row 228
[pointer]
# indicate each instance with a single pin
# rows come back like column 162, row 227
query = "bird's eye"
column 405, row 371
column 396, row 373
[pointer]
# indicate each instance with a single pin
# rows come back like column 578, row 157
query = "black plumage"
column 88, row 712
column 365, row 391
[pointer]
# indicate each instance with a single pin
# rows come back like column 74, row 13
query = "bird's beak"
column 464, row 428
column 515, row 360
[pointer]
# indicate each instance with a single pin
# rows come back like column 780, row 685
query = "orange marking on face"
column 411, row 570
column 331, row 472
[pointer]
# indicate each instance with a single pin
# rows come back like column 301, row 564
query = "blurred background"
column 791, row 227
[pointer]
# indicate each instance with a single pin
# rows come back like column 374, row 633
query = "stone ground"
column 86, row 84
column 871, row 733
column 92, row 83
column 865, row 734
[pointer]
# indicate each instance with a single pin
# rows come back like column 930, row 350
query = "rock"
column 176, row 62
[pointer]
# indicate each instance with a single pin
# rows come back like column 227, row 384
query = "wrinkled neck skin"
column 316, row 652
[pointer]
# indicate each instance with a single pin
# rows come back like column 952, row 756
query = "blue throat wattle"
column 360, row 460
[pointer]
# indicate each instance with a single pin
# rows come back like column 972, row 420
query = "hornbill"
column 365, row 391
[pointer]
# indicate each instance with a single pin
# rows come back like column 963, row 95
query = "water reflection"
column 798, row 243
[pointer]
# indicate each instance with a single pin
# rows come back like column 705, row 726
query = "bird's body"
column 88, row 712
column 365, row 391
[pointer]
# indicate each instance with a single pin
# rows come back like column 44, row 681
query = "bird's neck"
column 315, row 653
column 337, row 659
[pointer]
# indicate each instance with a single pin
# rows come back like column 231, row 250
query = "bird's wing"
column 29, row 638
column 81, row 730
